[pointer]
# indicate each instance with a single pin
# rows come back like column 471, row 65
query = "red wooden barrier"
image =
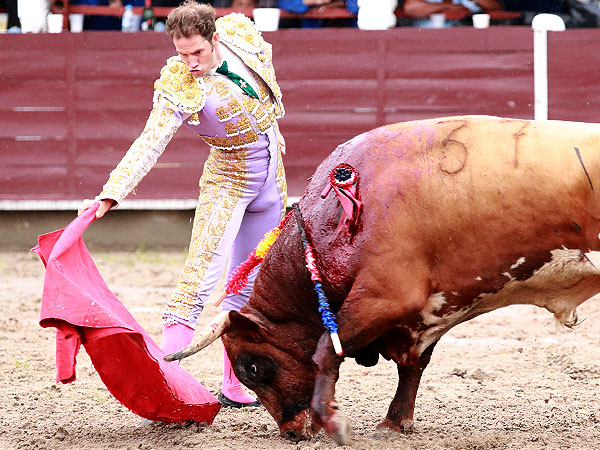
column 73, row 103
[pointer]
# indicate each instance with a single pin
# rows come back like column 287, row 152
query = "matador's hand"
column 105, row 205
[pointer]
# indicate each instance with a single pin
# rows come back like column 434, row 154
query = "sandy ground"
column 509, row 379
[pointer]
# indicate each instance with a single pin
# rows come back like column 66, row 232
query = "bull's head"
column 274, row 361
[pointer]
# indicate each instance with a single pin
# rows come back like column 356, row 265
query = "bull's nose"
column 293, row 436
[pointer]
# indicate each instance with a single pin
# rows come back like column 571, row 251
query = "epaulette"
column 180, row 87
column 242, row 37
column 236, row 29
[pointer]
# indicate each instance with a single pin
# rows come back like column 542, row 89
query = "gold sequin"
column 243, row 123
column 178, row 85
column 223, row 113
column 250, row 105
column 250, row 137
column 222, row 89
column 237, row 142
column 231, row 129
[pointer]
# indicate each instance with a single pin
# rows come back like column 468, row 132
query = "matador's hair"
column 191, row 19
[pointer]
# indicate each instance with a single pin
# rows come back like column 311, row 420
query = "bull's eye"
column 255, row 370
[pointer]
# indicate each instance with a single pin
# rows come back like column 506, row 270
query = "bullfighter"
column 222, row 86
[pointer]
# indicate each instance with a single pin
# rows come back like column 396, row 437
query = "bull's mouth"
column 300, row 428
column 295, row 437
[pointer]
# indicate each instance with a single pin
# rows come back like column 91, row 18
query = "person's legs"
column 218, row 218
column 254, row 227
column 262, row 215
column 216, row 224
column 175, row 337
column 233, row 392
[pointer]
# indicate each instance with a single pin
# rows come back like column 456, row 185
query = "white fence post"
column 542, row 23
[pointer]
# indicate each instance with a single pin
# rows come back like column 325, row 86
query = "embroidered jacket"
column 211, row 105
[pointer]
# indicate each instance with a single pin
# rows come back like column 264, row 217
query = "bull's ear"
column 249, row 321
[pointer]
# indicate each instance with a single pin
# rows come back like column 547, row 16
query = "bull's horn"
column 217, row 327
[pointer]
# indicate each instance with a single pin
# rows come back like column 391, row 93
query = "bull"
column 461, row 216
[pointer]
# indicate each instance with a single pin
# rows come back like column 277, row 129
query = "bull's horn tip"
column 172, row 357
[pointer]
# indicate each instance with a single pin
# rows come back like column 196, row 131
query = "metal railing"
column 334, row 12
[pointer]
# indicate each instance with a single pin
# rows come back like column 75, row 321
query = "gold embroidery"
column 215, row 209
column 162, row 123
column 222, row 89
column 231, row 129
column 194, row 119
column 231, row 143
column 177, row 84
column 235, row 108
column 250, row 137
column 237, row 142
column 282, row 184
column 263, row 90
column 243, row 124
column 261, row 113
column 250, row 104
column 264, row 124
column 223, row 113
column 242, row 37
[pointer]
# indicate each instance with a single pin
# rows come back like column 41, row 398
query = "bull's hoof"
column 337, row 427
column 405, row 426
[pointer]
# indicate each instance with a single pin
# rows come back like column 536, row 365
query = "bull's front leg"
column 324, row 407
column 400, row 414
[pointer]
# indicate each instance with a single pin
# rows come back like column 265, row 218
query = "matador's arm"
column 164, row 120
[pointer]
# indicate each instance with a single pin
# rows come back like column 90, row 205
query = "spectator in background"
column 167, row 3
column 302, row 6
column 104, row 23
column 11, row 10
column 540, row 6
column 243, row 4
column 531, row 8
column 422, row 9
column 238, row 3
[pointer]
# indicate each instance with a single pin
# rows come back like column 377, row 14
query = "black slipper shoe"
column 233, row 404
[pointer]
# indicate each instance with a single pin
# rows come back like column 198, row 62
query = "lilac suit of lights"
column 242, row 188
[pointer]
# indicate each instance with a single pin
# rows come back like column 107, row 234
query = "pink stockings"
column 231, row 387
column 177, row 336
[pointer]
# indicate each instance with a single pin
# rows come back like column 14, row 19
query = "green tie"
column 237, row 80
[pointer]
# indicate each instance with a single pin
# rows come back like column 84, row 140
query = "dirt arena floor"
column 506, row 380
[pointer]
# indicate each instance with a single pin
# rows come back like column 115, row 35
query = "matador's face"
column 199, row 54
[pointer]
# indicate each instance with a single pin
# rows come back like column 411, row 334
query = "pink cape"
column 77, row 301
